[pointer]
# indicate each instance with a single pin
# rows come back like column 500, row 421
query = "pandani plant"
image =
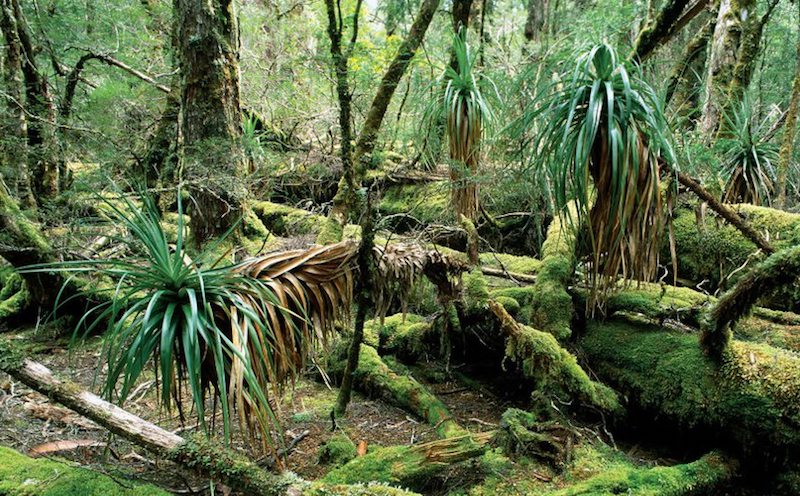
column 602, row 139
column 461, row 105
column 231, row 333
column 748, row 157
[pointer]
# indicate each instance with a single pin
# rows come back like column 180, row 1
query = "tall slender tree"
column 790, row 128
column 210, row 127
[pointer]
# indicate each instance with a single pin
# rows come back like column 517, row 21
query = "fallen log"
column 197, row 454
column 748, row 401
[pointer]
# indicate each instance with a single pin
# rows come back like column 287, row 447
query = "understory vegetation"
column 396, row 247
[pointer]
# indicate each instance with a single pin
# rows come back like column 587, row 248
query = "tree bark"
column 748, row 52
column 534, row 24
column 392, row 77
column 210, row 128
column 346, row 196
column 14, row 159
column 683, row 86
column 722, row 61
column 789, row 130
column 45, row 167
column 661, row 27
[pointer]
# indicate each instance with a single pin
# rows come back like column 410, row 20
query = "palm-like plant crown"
column 602, row 123
column 748, row 158
column 465, row 111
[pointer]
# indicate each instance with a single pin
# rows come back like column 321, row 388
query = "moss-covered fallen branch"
column 749, row 400
column 780, row 269
column 552, row 369
column 377, row 379
column 204, row 457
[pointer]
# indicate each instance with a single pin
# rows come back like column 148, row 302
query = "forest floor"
column 30, row 423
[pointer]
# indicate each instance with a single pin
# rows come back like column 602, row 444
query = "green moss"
column 750, row 398
column 510, row 304
column 369, row 489
column 429, row 203
column 330, row 232
column 709, row 249
column 476, row 291
column 512, row 263
column 400, row 465
column 14, row 296
column 702, row 475
column 551, row 307
column 337, row 450
column 555, row 370
column 283, row 220
column 23, row 476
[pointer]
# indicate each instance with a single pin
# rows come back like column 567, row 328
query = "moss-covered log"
column 699, row 477
column 780, row 269
column 552, row 369
column 710, row 249
column 374, row 377
column 551, row 305
column 747, row 401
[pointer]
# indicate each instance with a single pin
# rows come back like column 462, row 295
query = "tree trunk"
column 377, row 111
column 44, row 152
column 658, row 29
column 789, row 131
column 364, row 302
column 683, row 86
column 14, row 126
column 210, row 128
column 534, row 25
column 748, row 52
column 722, row 61
column 346, row 196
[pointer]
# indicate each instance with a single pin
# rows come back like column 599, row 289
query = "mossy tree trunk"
column 48, row 172
column 790, row 129
column 683, row 86
column 725, row 44
column 748, row 52
column 210, row 128
column 658, row 28
column 391, row 78
column 14, row 126
column 364, row 302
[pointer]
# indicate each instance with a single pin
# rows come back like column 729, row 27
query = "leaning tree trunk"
column 748, row 52
column 211, row 123
column 377, row 111
column 789, row 130
column 722, row 61
column 14, row 126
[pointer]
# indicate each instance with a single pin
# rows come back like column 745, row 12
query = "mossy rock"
column 24, row 476
column 14, row 296
column 337, row 450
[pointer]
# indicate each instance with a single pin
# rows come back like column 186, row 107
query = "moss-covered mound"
column 404, row 336
column 749, row 401
column 24, row 476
